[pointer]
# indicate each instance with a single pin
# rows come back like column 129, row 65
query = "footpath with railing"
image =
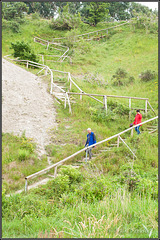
column 58, row 46
column 56, row 90
column 118, row 136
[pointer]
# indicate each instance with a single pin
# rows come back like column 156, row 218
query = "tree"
column 13, row 10
column 23, row 51
column 45, row 9
column 94, row 12
column 138, row 8
column 119, row 10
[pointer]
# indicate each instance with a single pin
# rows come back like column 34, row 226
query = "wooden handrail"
column 93, row 31
column 82, row 150
column 102, row 95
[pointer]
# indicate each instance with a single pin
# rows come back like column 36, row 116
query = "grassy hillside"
column 112, row 196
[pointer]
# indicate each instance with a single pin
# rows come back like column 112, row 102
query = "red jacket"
column 137, row 119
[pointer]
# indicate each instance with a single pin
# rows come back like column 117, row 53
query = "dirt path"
column 26, row 105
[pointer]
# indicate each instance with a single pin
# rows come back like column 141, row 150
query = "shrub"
column 15, row 26
column 147, row 75
column 148, row 187
column 58, row 186
column 99, row 115
column 73, row 174
column 23, row 51
column 121, row 77
column 26, row 144
column 35, row 16
column 23, row 154
column 71, row 37
column 121, row 109
column 91, row 190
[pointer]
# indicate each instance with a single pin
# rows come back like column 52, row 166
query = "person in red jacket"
column 137, row 120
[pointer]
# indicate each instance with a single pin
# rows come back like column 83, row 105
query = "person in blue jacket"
column 91, row 139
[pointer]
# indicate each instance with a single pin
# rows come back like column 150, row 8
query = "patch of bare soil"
column 26, row 105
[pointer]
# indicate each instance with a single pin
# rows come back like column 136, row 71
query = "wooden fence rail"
column 46, row 68
column 48, row 43
column 84, row 34
column 82, row 150
column 104, row 102
column 114, row 96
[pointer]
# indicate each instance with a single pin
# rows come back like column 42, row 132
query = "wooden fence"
column 118, row 136
column 105, row 97
column 47, row 43
column 46, row 68
column 91, row 33
column 72, row 82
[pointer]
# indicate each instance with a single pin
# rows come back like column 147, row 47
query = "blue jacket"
column 91, row 139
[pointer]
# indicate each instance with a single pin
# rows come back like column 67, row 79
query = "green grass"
column 19, row 159
column 129, row 203
column 119, row 214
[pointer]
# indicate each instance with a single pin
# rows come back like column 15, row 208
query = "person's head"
column 138, row 111
column 89, row 130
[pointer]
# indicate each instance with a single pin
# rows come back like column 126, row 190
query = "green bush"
column 121, row 109
column 28, row 145
column 57, row 186
column 23, row 154
column 71, row 37
column 99, row 115
column 121, row 77
column 15, row 26
column 35, row 16
column 74, row 174
column 23, row 51
column 148, row 187
column 92, row 190
column 147, row 75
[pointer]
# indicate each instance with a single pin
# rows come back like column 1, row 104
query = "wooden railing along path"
column 118, row 136
column 55, row 44
column 90, row 33
column 46, row 68
column 81, row 93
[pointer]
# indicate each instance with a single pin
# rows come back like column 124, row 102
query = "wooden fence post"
column 107, row 31
column 70, row 85
column 47, row 45
column 130, row 108
column 65, row 102
column 55, row 172
column 132, row 132
column 118, row 141
column 46, row 70
column 26, row 185
column 70, row 110
column 105, row 102
column 81, row 97
column 146, row 106
column 43, row 59
column 27, row 64
column 51, row 82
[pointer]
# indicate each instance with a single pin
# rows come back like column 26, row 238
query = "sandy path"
column 26, row 105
